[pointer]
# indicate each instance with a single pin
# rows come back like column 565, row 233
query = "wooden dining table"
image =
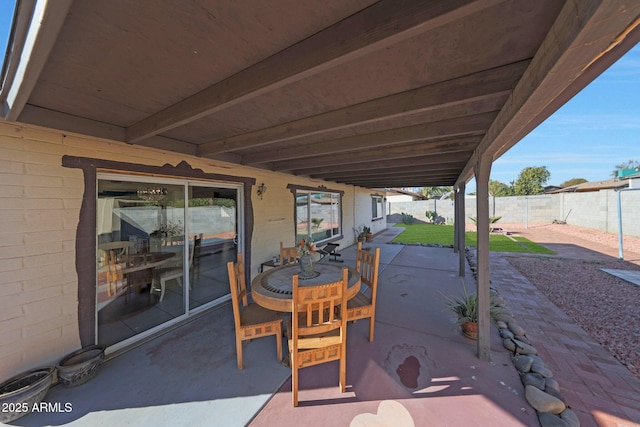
column 272, row 289
column 146, row 261
column 130, row 265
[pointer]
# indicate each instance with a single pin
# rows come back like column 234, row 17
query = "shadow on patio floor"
column 418, row 359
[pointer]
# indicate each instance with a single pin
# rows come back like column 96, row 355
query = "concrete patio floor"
column 419, row 362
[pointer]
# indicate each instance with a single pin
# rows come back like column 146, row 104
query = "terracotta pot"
column 20, row 393
column 470, row 330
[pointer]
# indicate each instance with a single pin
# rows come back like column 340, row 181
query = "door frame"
column 85, row 244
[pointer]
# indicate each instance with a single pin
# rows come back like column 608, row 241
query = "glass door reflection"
column 213, row 219
column 140, row 257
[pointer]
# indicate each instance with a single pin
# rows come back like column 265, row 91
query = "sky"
column 6, row 15
column 593, row 132
column 586, row 138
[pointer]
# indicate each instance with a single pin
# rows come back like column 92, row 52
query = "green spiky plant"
column 466, row 307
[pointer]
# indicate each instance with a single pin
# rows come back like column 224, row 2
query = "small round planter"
column 80, row 366
column 20, row 393
column 470, row 330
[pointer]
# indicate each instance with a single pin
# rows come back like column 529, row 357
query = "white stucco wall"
column 39, row 216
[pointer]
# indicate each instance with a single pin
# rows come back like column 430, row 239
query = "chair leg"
column 294, row 380
column 372, row 324
column 239, row 352
column 163, row 287
column 279, row 344
column 343, row 368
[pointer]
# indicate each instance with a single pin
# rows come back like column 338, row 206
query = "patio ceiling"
column 392, row 93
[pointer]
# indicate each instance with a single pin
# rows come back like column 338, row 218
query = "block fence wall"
column 597, row 210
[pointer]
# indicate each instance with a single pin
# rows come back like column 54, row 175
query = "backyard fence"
column 597, row 210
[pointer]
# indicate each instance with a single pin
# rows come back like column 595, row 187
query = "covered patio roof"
column 370, row 93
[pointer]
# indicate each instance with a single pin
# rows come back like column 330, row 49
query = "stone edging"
column 541, row 391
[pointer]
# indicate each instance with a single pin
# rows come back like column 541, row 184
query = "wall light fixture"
column 261, row 190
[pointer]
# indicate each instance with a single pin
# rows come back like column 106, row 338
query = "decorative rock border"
column 540, row 389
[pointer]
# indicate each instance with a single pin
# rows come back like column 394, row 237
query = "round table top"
column 272, row 288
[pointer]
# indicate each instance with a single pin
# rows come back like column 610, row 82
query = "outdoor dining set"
column 309, row 308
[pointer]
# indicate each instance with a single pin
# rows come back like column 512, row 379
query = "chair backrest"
column 288, row 255
column 120, row 249
column 112, row 262
column 197, row 246
column 317, row 307
column 197, row 241
column 194, row 257
column 114, row 271
column 238, row 288
column 367, row 264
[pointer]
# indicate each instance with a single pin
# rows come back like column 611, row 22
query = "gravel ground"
column 603, row 305
column 631, row 244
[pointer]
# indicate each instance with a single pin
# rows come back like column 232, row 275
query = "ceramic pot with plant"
column 306, row 249
column 367, row 233
column 466, row 307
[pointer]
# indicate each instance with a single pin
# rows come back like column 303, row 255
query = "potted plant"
column 360, row 234
column 367, row 233
column 306, row 247
column 466, row 307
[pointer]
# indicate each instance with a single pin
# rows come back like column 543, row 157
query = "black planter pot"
column 80, row 366
column 20, row 393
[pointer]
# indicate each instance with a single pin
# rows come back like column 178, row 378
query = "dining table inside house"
column 138, row 273
column 272, row 289
column 139, row 267
column 146, row 261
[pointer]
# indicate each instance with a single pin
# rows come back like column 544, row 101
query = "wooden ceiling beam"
column 389, row 171
column 406, row 162
column 464, row 144
column 494, row 84
column 349, row 179
column 74, row 124
column 399, row 177
column 408, row 173
column 454, row 128
column 381, row 25
column 409, row 182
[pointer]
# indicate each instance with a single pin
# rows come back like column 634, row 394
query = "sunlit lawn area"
column 443, row 235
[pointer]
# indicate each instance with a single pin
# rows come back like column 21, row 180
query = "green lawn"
column 443, row 235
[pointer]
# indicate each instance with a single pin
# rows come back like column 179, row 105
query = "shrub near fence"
column 597, row 210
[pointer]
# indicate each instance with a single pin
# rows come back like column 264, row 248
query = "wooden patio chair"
column 177, row 272
column 251, row 320
column 288, row 255
column 114, row 272
column 363, row 305
column 318, row 332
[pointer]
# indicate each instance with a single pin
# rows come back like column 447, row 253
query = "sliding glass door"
column 162, row 249
column 212, row 218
